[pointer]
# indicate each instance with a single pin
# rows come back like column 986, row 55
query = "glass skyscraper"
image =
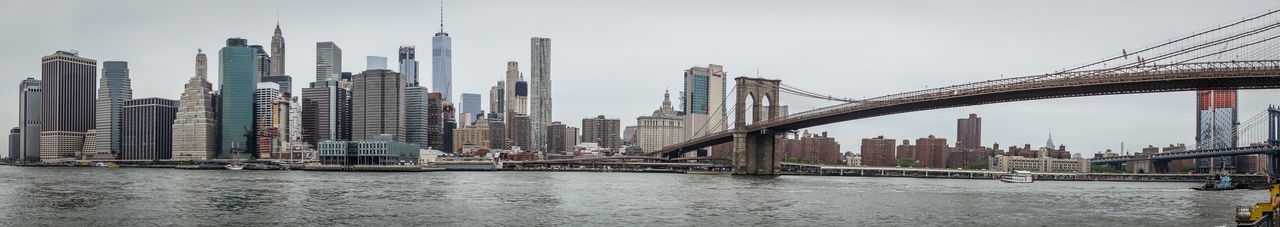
column 1215, row 125
column 442, row 65
column 238, row 81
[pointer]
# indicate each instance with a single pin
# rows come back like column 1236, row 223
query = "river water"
column 165, row 197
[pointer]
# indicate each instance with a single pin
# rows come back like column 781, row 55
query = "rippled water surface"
column 133, row 197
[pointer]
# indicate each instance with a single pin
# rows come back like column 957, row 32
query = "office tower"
column 195, row 129
column 262, row 116
column 277, row 53
column 629, row 135
column 263, row 61
column 969, row 132
column 15, row 148
column 540, row 89
column 409, row 64
column 285, row 82
column 470, row 107
column 496, row 98
column 375, row 62
column 555, row 138
column 238, row 82
column 442, row 63
column 148, row 129
column 344, row 81
column 274, row 132
column 521, row 101
column 415, row 125
column 665, row 127
column 377, row 105
column 571, row 137
column 497, row 136
column 435, row 121
column 878, row 151
column 704, row 95
column 521, row 131
column 113, row 89
column 1215, row 126
column 66, row 105
column 448, row 126
column 328, row 61
column 602, row 131
column 325, row 111
column 29, row 94
column 509, row 87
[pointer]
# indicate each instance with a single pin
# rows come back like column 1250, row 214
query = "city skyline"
column 1085, row 124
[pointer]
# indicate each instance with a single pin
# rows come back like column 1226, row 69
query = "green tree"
column 906, row 162
column 976, row 165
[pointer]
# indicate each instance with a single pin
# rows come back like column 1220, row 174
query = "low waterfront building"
column 1042, row 163
column 377, row 152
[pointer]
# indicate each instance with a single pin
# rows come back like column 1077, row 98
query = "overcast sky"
column 617, row 57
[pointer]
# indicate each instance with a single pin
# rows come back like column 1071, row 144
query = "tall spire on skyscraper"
column 441, row 16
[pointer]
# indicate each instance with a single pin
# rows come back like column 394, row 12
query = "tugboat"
column 1219, row 182
column 1018, row 176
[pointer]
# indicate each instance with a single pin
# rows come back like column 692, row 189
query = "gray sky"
column 616, row 58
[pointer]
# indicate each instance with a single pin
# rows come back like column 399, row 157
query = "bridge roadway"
column 1149, row 78
column 1263, row 149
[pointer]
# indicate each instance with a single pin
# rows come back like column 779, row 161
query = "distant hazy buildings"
column 509, row 89
column 238, row 83
column 263, row 65
column 195, row 129
column 67, row 104
column 328, row 61
column 815, row 148
column 540, row 90
column 477, row 134
column 969, row 132
column 113, row 89
column 665, row 127
column 377, row 105
column 285, row 82
column 15, row 149
column 375, row 62
column 602, row 131
column 703, row 104
column 497, row 97
column 148, row 129
column 29, row 93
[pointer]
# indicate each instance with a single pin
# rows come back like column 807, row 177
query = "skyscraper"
column 238, row 82
column 435, row 121
column 377, row 105
column 497, row 134
column 67, row 104
column 415, row 125
column 263, row 68
column 1215, row 125
column 263, row 114
column 540, row 90
column 277, row 53
column 328, row 61
column 375, row 62
column 470, row 107
column 442, row 62
column 703, row 101
column 602, row 131
column 148, row 129
column 15, row 148
column 112, row 91
column 509, row 88
column 29, row 118
column 555, row 138
column 285, row 82
column 195, row 129
column 325, row 112
column 497, row 98
column 969, row 132
column 409, row 64
column 521, row 130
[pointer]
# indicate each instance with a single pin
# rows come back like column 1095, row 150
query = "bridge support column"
column 756, row 154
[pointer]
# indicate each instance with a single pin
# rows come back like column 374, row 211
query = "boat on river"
column 1218, row 182
column 1018, row 176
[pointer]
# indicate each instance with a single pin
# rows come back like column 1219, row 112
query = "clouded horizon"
column 616, row 58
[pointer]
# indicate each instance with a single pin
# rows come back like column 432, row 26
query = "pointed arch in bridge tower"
column 755, row 152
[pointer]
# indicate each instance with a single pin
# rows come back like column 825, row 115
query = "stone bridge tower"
column 755, row 152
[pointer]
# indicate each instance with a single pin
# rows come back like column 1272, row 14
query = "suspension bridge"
column 1239, row 55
